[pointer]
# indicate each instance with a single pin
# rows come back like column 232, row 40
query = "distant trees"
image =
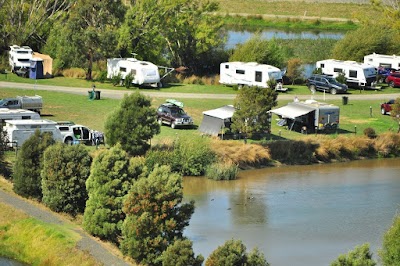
column 29, row 163
column 64, row 173
column 233, row 252
column 155, row 216
column 112, row 175
column 360, row 256
column 294, row 70
column 252, row 105
column 132, row 124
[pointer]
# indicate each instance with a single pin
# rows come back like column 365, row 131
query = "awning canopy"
column 214, row 120
column 292, row 110
column 223, row 112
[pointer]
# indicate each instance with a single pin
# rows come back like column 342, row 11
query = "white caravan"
column 357, row 74
column 250, row 74
column 17, row 114
column 19, row 57
column 383, row 61
column 144, row 73
column 18, row 131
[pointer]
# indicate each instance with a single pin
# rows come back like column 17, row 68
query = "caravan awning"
column 214, row 120
column 292, row 110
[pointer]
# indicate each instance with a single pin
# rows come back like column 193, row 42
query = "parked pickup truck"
column 33, row 103
column 74, row 134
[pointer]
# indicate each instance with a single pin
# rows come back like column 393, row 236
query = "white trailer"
column 19, row 57
column 382, row 61
column 357, row 74
column 250, row 74
column 17, row 114
column 33, row 103
column 144, row 73
column 18, row 131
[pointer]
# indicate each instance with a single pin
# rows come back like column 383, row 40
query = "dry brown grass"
column 193, row 79
column 74, row 73
column 387, row 144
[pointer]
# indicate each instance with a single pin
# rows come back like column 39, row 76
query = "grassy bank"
column 36, row 243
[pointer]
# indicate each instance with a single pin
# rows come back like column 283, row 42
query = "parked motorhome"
column 357, row 74
column 383, row 61
column 308, row 116
column 250, row 74
column 19, row 57
column 16, row 114
column 18, row 131
column 33, row 103
column 144, row 73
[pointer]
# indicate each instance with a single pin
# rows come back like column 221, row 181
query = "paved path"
column 86, row 243
column 118, row 94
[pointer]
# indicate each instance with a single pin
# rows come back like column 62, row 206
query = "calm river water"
column 297, row 215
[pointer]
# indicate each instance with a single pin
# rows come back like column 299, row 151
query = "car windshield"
column 2, row 102
column 332, row 80
column 177, row 111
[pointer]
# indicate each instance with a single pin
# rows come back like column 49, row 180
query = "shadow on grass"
column 6, row 169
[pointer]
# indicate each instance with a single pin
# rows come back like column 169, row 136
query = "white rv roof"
column 382, row 56
column 20, row 48
column 254, row 64
column 31, row 122
column 15, row 111
column 346, row 63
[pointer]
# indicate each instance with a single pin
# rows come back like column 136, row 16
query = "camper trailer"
column 250, row 74
column 33, row 103
column 17, row 114
column 383, row 61
column 18, row 131
column 144, row 73
column 358, row 75
column 19, row 57
column 309, row 116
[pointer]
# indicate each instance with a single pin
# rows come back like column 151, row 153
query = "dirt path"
column 86, row 243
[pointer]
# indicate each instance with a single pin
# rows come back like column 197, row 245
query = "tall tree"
column 252, row 105
column 133, row 124
column 87, row 33
column 64, row 173
column 111, row 177
column 390, row 253
column 178, row 30
column 155, row 216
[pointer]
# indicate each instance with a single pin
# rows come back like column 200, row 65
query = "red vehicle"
column 393, row 79
column 386, row 107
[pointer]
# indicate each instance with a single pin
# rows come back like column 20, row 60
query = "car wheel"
column 312, row 89
column 333, row 91
column 160, row 121
column 68, row 141
column 383, row 111
column 173, row 126
column 391, row 84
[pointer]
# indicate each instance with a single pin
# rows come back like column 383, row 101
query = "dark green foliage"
column 253, row 104
column 128, row 80
column 233, row 252
column 292, row 151
column 112, row 175
column 155, row 216
column 370, row 132
column 180, row 253
column 64, row 173
column 365, row 40
column 185, row 156
column 395, row 112
column 390, row 253
column 116, row 79
column 259, row 50
column 133, row 124
column 3, row 143
column 341, row 78
column 102, row 76
column 29, row 162
column 271, row 83
column 360, row 256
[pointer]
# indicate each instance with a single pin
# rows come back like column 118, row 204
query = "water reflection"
column 297, row 210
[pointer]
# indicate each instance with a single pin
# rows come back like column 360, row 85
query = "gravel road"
column 86, row 243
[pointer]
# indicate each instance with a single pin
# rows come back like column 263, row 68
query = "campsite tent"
column 47, row 64
column 216, row 119
column 36, row 68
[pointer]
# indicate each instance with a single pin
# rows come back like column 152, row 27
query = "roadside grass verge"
column 36, row 243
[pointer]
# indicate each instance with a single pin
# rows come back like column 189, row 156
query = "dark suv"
column 173, row 115
column 325, row 83
column 393, row 80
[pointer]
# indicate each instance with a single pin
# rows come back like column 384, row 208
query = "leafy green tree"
column 155, row 216
column 29, row 163
column 180, row 253
column 390, row 252
column 64, row 173
column 294, row 69
column 112, row 175
column 252, row 105
column 86, row 33
column 366, row 40
column 233, row 252
column 177, row 30
column 259, row 50
column 133, row 124
column 360, row 256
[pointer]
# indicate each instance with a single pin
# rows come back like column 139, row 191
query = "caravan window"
column 122, row 69
column 239, row 71
column 227, row 66
column 26, row 117
column 133, row 71
column 338, row 70
column 385, row 65
column 258, row 76
column 353, row 73
column 322, row 65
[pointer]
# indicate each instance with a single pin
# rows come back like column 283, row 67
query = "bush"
column 222, row 171
column 390, row 253
column 65, row 170
column 116, row 79
column 360, row 256
column 128, row 80
column 292, row 151
column 180, row 253
column 102, row 77
column 370, row 133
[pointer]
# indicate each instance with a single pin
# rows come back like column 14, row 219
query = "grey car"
column 325, row 83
